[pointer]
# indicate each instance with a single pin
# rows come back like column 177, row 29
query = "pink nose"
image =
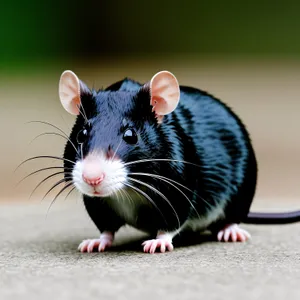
column 93, row 181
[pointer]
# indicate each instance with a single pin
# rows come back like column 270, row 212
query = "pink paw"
column 233, row 233
column 160, row 242
column 105, row 241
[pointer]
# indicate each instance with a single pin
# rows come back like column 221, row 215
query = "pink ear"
column 165, row 93
column 69, row 92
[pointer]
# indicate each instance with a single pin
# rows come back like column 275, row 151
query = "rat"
column 160, row 157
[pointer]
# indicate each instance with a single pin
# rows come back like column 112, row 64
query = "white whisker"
column 82, row 113
column 161, row 160
column 116, row 150
column 166, row 179
column 56, row 127
column 81, row 147
column 146, row 196
column 159, row 193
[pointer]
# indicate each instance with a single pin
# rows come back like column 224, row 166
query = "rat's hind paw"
column 163, row 242
column 105, row 241
column 233, row 233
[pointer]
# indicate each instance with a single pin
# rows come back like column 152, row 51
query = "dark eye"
column 82, row 136
column 130, row 136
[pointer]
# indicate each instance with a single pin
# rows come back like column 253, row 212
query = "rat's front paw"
column 162, row 242
column 105, row 241
column 233, row 233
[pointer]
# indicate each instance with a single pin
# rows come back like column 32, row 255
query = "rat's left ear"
column 70, row 91
column 165, row 94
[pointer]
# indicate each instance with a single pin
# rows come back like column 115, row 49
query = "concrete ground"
column 39, row 260
column 38, row 255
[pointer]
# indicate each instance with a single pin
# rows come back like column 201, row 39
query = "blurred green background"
column 35, row 31
column 247, row 54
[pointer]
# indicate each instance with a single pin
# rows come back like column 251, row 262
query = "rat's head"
column 113, row 129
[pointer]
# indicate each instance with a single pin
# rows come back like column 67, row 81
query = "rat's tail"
column 272, row 218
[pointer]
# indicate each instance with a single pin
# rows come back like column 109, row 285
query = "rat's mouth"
column 101, row 193
column 96, row 191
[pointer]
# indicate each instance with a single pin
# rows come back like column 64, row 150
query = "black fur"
column 202, row 130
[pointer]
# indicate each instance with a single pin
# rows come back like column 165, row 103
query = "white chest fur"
column 126, row 204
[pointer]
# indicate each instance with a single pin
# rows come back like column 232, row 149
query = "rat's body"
column 202, row 131
column 157, row 168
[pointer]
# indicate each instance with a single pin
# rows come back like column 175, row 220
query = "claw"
column 163, row 242
column 233, row 233
column 105, row 241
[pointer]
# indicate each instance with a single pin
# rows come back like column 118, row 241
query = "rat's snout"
column 92, row 172
column 98, row 176
column 93, row 181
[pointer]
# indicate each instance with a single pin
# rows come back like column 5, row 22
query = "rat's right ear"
column 70, row 90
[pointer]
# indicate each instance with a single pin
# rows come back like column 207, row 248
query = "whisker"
column 44, row 156
column 175, row 160
column 82, row 112
column 81, row 151
column 117, row 195
column 128, row 196
column 40, row 170
column 120, row 190
column 65, row 122
column 116, row 150
column 122, row 195
column 159, row 193
column 138, row 194
column 57, row 195
column 45, row 179
column 161, row 160
column 165, row 180
column 146, row 196
column 47, row 123
column 171, row 180
column 57, row 134
column 84, row 117
column 56, row 127
column 69, row 193
column 57, row 184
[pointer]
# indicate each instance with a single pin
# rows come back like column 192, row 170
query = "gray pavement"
column 39, row 260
